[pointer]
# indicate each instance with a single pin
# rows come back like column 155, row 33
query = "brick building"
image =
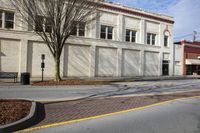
column 187, row 54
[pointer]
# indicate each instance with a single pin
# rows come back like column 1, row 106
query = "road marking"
column 100, row 116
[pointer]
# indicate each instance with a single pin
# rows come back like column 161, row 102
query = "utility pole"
column 194, row 35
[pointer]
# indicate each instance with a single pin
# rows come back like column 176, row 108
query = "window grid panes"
column 39, row 24
column 48, row 26
column 106, row 32
column 151, row 39
column 1, row 19
column 74, row 29
column 110, row 32
column 130, row 36
column 103, row 32
column 148, row 38
column 78, row 29
column 166, row 41
column 9, row 20
column 81, row 29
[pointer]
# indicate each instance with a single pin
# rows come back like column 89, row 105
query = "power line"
column 184, row 36
column 187, row 35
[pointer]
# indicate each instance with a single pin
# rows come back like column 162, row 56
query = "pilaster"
column 23, row 56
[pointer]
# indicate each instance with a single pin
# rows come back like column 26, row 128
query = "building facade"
column 122, row 42
column 187, row 58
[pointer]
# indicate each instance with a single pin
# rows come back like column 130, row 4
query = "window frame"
column 130, row 36
column 48, row 26
column 8, row 21
column 108, row 35
column 1, row 19
column 151, row 39
column 4, row 20
column 40, row 29
column 78, row 31
column 166, row 41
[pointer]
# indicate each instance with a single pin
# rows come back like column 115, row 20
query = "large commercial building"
column 187, row 58
column 124, row 42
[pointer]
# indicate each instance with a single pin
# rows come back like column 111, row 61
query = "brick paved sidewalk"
column 71, row 110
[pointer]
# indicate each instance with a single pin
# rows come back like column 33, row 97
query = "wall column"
column 142, row 63
column 92, row 60
column 161, row 63
column 119, row 62
column 120, row 29
column 142, row 32
column 23, row 56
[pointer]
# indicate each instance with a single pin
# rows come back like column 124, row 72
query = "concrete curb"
column 164, row 78
column 117, row 96
column 23, row 123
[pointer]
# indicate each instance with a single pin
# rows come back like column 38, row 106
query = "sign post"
column 43, row 65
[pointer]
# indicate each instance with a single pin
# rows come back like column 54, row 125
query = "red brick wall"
column 190, row 53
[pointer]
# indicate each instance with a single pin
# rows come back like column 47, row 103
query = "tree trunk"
column 57, row 77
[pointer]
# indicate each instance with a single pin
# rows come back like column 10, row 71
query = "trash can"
column 25, row 78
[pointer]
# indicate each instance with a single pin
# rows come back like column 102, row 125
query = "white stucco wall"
column 131, row 63
column 36, row 49
column 9, row 59
column 178, row 60
column 152, row 64
column 78, row 61
column 91, row 56
column 106, row 62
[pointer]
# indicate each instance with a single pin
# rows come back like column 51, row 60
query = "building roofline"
column 182, row 42
column 137, row 12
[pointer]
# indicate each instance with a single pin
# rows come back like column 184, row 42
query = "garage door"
column 130, row 63
column 78, row 61
column 151, row 64
column 106, row 62
column 9, row 55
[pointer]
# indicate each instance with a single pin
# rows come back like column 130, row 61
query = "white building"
column 123, row 42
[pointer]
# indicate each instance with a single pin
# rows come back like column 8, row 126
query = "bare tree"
column 55, row 20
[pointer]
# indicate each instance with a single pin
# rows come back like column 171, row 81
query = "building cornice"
column 139, row 13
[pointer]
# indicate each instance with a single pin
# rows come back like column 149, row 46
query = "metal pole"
column 43, row 66
column 42, row 74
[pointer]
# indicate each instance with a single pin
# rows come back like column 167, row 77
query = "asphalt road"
column 115, row 89
column 182, row 116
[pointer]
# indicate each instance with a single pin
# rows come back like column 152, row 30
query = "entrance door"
column 198, row 69
column 165, row 68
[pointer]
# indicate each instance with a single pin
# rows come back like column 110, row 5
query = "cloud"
column 185, row 13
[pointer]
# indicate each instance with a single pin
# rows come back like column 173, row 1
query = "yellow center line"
column 100, row 116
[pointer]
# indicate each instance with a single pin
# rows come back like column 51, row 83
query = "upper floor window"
column 39, row 23
column 48, row 25
column 166, row 41
column 43, row 24
column 1, row 20
column 79, row 29
column 130, row 36
column 9, row 20
column 6, row 19
column 106, row 32
column 151, row 39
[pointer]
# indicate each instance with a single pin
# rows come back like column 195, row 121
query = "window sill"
column 7, row 29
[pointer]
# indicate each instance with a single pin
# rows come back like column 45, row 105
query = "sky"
column 186, row 14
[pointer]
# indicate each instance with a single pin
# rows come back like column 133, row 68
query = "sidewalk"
column 116, row 79
column 71, row 92
column 139, row 78
column 72, row 111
